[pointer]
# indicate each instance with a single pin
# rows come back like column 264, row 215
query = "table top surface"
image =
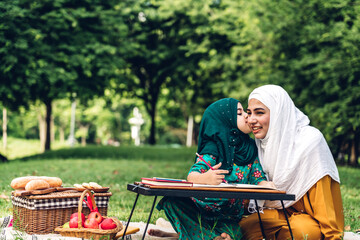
column 259, row 194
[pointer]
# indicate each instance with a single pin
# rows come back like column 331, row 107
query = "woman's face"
column 241, row 120
column 258, row 118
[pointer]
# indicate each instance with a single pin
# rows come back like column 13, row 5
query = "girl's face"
column 258, row 118
column 241, row 120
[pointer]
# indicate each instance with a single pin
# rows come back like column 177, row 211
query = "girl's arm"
column 212, row 177
column 201, row 173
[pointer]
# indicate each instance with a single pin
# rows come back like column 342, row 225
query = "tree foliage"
column 183, row 55
column 315, row 54
column 183, row 46
column 55, row 49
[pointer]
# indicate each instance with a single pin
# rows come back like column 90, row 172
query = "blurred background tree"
column 171, row 59
column 312, row 49
column 55, row 49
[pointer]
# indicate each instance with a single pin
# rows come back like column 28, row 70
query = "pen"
column 208, row 165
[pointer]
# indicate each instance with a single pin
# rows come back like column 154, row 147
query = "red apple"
column 74, row 222
column 74, row 219
column 107, row 223
column 91, row 223
column 96, row 215
column 77, row 215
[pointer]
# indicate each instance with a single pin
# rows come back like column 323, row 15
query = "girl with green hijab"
column 224, row 143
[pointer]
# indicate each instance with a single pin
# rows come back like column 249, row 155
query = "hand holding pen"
column 218, row 172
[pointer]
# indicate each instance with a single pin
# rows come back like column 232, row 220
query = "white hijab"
column 293, row 154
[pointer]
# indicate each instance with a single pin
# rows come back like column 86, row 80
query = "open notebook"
column 171, row 182
column 232, row 185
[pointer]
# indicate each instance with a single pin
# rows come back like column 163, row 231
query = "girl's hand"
column 215, row 177
column 211, row 177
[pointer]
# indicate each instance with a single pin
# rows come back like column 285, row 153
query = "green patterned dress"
column 207, row 218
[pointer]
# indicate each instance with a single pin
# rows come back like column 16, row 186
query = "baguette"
column 37, row 184
column 53, row 181
column 20, row 182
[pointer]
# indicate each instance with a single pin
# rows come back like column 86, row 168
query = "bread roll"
column 37, row 184
column 79, row 187
column 20, row 182
column 94, row 185
column 86, row 185
column 53, row 181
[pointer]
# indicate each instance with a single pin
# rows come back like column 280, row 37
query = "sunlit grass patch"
column 116, row 167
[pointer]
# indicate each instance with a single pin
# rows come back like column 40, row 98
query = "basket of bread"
column 40, row 204
column 94, row 226
column 35, row 183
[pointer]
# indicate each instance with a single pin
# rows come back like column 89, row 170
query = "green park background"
column 95, row 61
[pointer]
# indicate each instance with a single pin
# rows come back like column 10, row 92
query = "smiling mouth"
column 256, row 129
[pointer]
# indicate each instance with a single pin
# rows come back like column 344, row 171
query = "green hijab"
column 220, row 136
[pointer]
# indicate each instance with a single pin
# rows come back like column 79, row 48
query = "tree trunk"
column 152, row 139
column 84, row 129
column 61, row 134
column 48, row 125
column 52, row 129
column 42, row 130
column 72, row 124
column 83, row 141
column 339, row 154
column 4, row 128
column 341, row 157
column 190, row 128
column 354, row 153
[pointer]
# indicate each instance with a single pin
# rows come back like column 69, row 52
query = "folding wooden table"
column 210, row 192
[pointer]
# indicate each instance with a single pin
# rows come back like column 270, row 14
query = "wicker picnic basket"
column 41, row 214
column 88, row 233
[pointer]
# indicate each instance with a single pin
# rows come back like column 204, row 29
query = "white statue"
column 136, row 122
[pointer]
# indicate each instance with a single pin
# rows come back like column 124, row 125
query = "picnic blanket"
column 7, row 232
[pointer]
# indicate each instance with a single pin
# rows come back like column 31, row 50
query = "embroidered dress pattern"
column 212, row 216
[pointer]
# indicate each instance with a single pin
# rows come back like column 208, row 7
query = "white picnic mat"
column 7, row 233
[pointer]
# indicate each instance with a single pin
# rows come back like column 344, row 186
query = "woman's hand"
column 267, row 184
column 211, row 177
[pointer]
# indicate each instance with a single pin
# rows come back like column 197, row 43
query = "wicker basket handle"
column 80, row 205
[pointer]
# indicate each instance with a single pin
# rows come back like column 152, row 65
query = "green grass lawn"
column 108, row 166
column 116, row 167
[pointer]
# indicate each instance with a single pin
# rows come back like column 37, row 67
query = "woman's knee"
column 250, row 225
column 303, row 226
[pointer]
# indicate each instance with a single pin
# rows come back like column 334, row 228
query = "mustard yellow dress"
column 317, row 215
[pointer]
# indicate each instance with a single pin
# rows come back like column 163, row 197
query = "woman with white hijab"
column 296, row 157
